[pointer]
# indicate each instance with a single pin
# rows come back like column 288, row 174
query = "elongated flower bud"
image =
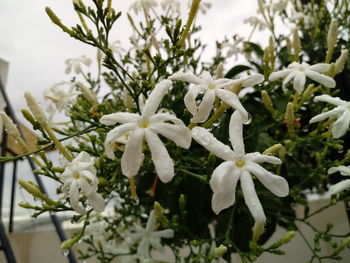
column 267, row 101
column 340, row 63
column 13, row 131
column 331, row 39
column 342, row 246
column 220, row 71
column 258, row 230
column 67, row 244
column 290, row 117
column 220, row 251
column 87, row 93
column 36, row 192
column 35, row 108
column 191, row 16
column 57, row 21
column 274, row 149
column 296, row 44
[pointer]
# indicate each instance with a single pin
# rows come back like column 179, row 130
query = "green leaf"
column 236, row 70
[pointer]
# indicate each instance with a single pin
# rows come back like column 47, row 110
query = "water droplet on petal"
column 216, row 124
column 206, row 140
column 226, row 149
column 65, row 252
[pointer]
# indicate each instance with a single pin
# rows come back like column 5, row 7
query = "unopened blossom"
column 341, row 113
column 139, row 5
column 61, row 96
column 342, row 185
column 148, row 237
column 79, row 177
column 171, row 5
column 146, row 127
column 212, row 88
column 75, row 64
column 298, row 73
column 239, row 165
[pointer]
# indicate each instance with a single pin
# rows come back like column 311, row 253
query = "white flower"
column 61, row 95
column 342, row 185
column 75, row 64
column 147, row 126
column 138, row 5
column 238, row 166
column 171, row 5
column 80, row 177
column 233, row 47
column 213, row 88
column 148, row 237
column 298, row 72
column 341, row 113
column 256, row 22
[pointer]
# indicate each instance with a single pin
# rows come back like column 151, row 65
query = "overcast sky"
column 36, row 49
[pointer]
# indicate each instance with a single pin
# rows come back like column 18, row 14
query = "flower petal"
column 151, row 222
column 204, row 107
column 253, row 80
column 165, row 117
column 262, row 158
column 320, row 67
column 155, row 98
column 119, row 117
column 329, row 99
column 344, row 170
column 289, row 77
column 326, row 81
column 190, row 97
column 221, row 201
column 299, row 81
column 115, row 134
column 341, row 126
column 188, row 77
column 276, row 184
column 232, row 100
column 337, row 188
column 74, row 198
column 236, row 134
column 163, row 163
column 332, row 113
column 280, row 74
column 251, row 198
column 166, row 233
column 224, row 178
column 179, row 134
column 133, row 157
column 96, row 201
column 209, row 142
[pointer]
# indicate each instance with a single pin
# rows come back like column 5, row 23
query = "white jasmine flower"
column 278, row 6
column 203, row 6
column 213, row 88
column 342, row 185
column 256, row 22
column 74, row 64
column 298, row 72
column 341, row 113
column 138, row 5
column 233, row 47
column 171, row 5
column 79, row 177
column 239, row 166
column 61, row 96
column 148, row 237
column 146, row 127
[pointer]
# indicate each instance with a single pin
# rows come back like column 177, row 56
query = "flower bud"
column 290, row 117
column 87, row 93
column 342, row 246
column 57, row 21
column 287, row 237
column 274, row 149
column 220, row 71
column 220, row 251
column 35, row 108
column 296, row 44
column 341, row 61
column 258, row 230
column 67, row 244
column 36, row 192
column 267, row 101
column 26, row 205
column 331, row 39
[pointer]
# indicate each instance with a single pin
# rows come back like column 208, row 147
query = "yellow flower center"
column 240, row 163
column 144, row 124
column 211, row 86
column 76, row 175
